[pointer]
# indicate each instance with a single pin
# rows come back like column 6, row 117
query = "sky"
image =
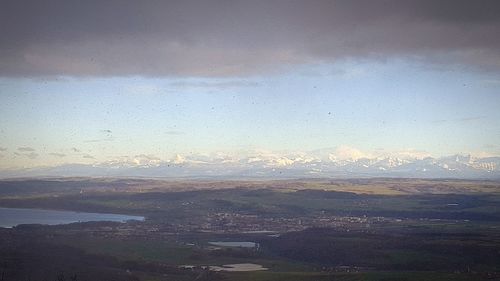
column 92, row 81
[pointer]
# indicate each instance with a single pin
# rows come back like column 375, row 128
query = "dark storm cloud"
column 232, row 38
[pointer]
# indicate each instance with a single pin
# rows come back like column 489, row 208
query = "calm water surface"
column 243, row 244
column 10, row 217
column 238, row 267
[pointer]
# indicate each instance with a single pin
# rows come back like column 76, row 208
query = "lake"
column 238, row 267
column 243, row 244
column 10, row 217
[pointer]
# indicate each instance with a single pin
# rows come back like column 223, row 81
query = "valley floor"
column 360, row 229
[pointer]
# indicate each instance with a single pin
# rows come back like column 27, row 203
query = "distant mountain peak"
column 271, row 165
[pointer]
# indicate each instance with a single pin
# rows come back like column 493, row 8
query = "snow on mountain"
column 265, row 164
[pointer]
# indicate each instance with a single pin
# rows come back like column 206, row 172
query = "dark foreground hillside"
column 378, row 229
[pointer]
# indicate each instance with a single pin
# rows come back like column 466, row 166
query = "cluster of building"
column 232, row 223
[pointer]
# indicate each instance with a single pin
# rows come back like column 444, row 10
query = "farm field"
column 278, row 230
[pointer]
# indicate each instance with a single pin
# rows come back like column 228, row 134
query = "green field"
column 379, row 229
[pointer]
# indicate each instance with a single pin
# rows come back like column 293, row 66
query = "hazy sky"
column 89, row 81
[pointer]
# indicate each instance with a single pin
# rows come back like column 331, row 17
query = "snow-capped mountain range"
column 262, row 164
